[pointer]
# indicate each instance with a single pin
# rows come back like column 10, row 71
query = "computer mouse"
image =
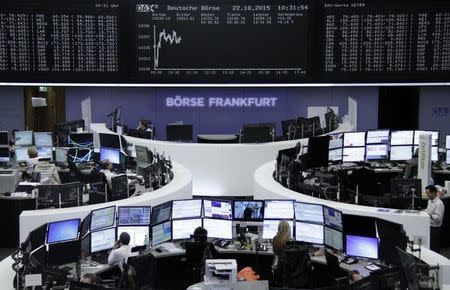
column 159, row 250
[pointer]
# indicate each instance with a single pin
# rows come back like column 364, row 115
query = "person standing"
column 436, row 211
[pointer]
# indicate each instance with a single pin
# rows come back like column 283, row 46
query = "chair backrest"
column 119, row 186
column 145, row 268
column 296, row 268
column 257, row 134
column 46, row 170
column 195, row 252
column 286, row 124
column 332, row 264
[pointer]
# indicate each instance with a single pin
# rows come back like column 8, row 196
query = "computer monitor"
column 161, row 233
column 179, row 132
column 434, row 152
column 109, row 141
column 279, row 209
column 447, row 141
column 245, row 210
column 354, row 139
column 408, row 267
column 24, row 138
column 404, row 186
column 133, row 215
column 80, row 155
column 4, row 154
column 363, row 247
column 219, row 229
column 189, row 208
column 161, row 213
column 103, row 240
column 63, row 231
column 335, row 143
column 45, row 152
column 43, row 139
column 111, row 154
column 308, row 212
column 335, row 155
column 4, row 138
column 139, row 235
column 309, row 233
column 447, row 157
column 270, row 228
column 434, row 137
column 402, row 137
column 401, row 153
column 333, row 239
column 217, row 209
column 377, row 152
column 332, row 217
column 377, row 137
column 21, row 153
column 317, row 151
column 353, row 154
column 143, row 155
column 359, row 225
column 82, row 140
column 183, row 229
column 61, row 155
column 86, row 246
column 103, row 218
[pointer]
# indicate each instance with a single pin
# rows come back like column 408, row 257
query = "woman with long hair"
column 279, row 241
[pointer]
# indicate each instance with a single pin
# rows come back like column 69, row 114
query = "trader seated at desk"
column 121, row 251
column 279, row 242
column 47, row 170
column 144, row 126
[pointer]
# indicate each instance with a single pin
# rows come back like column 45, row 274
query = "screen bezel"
column 62, row 241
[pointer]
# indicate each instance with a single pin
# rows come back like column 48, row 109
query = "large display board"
column 224, row 41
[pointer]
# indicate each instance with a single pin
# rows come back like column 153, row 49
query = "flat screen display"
column 434, row 152
column 186, row 208
column 21, row 153
column 43, row 139
column 270, row 228
column 103, row 240
column 161, row 233
column 63, row 231
column 81, row 140
column 248, row 210
column 358, row 246
column 401, row 153
column 434, row 137
column 309, row 233
column 111, row 154
column 354, row 139
column 139, row 235
column 335, row 143
column 353, row 154
column 333, row 239
column 4, row 154
column 308, row 212
column 24, row 138
column 61, row 155
column 103, row 218
column 217, row 209
column 161, row 213
column 183, row 229
column 219, row 229
column 133, row 215
column 45, row 152
column 402, row 137
column 377, row 151
column 279, row 209
column 4, row 138
column 377, row 137
column 335, row 155
column 332, row 217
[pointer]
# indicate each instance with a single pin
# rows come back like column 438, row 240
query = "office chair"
column 288, row 128
column 98, row 193
column 64, row 195
column 295, row 268
column 258, row 133
column 119, row 187
column 46, row 171
column 388, row 279
column 126, row 280
column 196, row 254
column 334, row 270
column 145, row 271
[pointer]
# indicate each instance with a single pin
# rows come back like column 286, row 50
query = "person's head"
column 200, row 234
column 282, row 236
column 431, row 191
column 106, row 164
column 143, row 124
column 89, row 278
column 354, row 276
column 32, row 152
column 124, row 238
column 13, row 133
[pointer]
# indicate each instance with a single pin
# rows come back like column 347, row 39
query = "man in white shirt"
column 106, row 169
column 121, row 251
column 435, row 210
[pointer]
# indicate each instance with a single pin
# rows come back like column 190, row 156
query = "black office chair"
column 295, row 268
column 386, row 279
column 127, row 277
column 288, row 128
column 119, row 187
column 333, row 269
column 145, row 270
column 196, row 254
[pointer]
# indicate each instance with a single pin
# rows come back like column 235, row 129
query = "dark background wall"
column 148, row 103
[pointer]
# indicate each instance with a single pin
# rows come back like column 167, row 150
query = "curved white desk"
column 265, row 187
column 218, row 169
column 179, row 188
column 415, row 225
